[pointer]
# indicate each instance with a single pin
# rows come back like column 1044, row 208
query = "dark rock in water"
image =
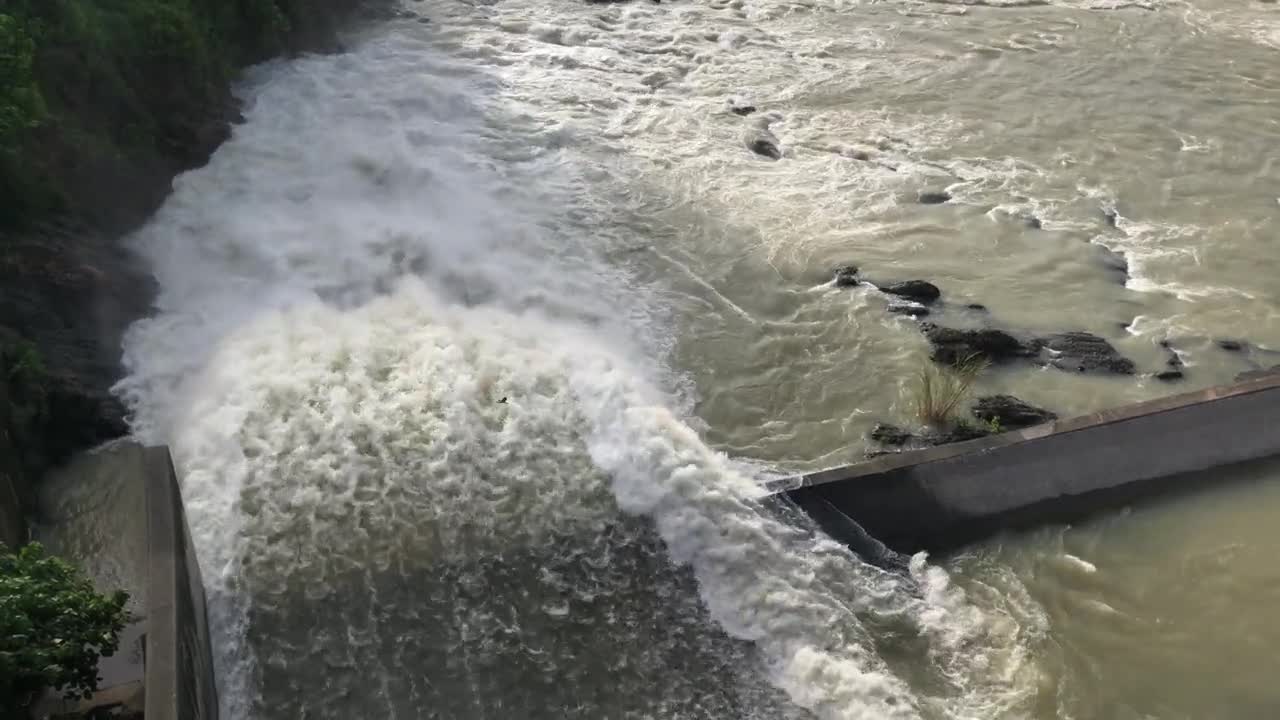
column 918, row 290
column 1033, row 222
column 742, row 110
column 934, row 197
column 961, row 432
column 1112, row 260
column 1231, row 345
column 1110, row 215
column 846, row 276
column 1010, row 413
column 765, row 148
column 1085, row 352
column 954, row 347
column 913, row 309
column 862, row 155
column 977, row 306
column 891, row 435
column 1169, row 375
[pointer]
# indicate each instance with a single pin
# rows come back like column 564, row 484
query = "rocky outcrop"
column 765, row 147
column 1009, row 413
column 918, row 290
column 952, row 346
column 846, row 276
column 1086, row 353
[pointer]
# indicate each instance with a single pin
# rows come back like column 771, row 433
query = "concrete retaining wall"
column 117, row 513
column 940, row 498
column 179, row 670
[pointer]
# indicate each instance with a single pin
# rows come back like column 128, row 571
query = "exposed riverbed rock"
column 908, row 308
column 1010, row 413
column 897, row 437
column 742, row 110
column 890, row 435
column 1085, row 353
column 1169, row 375
column 917, row 290
column 934, row 197
column 953, row 346
column 846, row 276
column 765, row 147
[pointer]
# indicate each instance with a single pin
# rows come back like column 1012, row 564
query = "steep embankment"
column 102, row 102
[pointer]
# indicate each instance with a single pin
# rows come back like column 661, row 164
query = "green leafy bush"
column 53, row 628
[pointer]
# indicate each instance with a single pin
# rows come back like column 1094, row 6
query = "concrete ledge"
column 179, row 671
column 940, row 498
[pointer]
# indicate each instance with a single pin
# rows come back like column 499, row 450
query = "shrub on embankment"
column 102, row 103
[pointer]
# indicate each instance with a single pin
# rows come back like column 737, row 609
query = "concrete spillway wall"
column 117, row 513
column 940, row 498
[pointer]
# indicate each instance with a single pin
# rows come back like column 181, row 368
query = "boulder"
column 917, row 290
column 765, row 147
column 1169, row 375
column 742, row 110
column 934, row 197
column 909, row 308
column 954, row 346
column 1113, row 261
column 846, row 276
column 1033, row 222
column 1231, row 345
column 1086, row 353
column 891, row 435
column 1010, row 413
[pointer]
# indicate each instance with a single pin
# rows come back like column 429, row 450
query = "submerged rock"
column 1110, row 216
column 765, row 147
column 1169, row 375
column 1113, row 261
column 934, row 197
column 846, row 276
column 1087, row 353
column 911, row 309
column 1033, row 222
column 1231, row 345
column 918, row 290
column 742, row 110
column 953, row 346
column 1010, row 413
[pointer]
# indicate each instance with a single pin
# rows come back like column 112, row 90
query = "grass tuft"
column 940, row 390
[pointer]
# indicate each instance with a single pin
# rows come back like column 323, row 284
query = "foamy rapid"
column 380, row 355
column 415, row 342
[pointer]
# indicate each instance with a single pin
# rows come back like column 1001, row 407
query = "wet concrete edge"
column 941, row 498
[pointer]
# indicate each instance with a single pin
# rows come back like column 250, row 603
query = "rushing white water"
column 374, row 353
column 431, row 322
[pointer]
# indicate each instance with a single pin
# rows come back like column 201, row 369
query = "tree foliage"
column 53, row 628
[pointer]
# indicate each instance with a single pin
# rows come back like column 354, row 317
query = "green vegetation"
column 95, row 92
column 53, row 628
column 24, row 418
column 940, row 390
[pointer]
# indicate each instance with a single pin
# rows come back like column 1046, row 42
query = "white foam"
column 395, row 331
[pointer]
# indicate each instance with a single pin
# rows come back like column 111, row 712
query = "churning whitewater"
column 428, row 448
column 453, row 334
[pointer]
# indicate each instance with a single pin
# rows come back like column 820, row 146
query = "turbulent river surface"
column 476, row 342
